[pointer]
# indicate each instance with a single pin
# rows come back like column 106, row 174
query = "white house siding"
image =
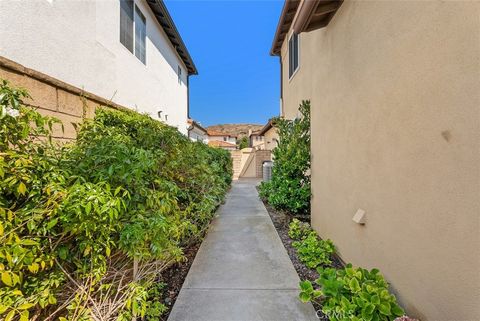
column 228, row 139
column 198, row 135
column 78, row 42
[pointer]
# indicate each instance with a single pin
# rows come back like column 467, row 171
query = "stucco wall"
column 395, row 98
column 78, row 43
column 271, row 139
column 198, row 135
column 257, row 142
column 229, row 139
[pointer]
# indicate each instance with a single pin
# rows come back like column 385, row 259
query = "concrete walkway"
column 242, row 271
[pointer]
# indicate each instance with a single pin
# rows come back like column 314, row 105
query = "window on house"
column 179, row 74
column 133, row 29
column 140, row 35
column 293, row 57
column 126, row 24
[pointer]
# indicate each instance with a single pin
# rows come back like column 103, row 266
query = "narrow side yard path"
column 242, row 271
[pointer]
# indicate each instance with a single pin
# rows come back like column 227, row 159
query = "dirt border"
column 175, row 276
column 281, row 220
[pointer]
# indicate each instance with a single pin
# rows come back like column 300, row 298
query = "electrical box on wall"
column 360, row 217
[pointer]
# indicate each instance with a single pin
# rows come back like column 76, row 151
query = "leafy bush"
column 352, row 294
column 314, row 251
column 289, row 188
column 86, row 227
column 242, row 143
column 298, row 230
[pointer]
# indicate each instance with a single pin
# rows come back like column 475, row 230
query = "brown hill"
column 239, row 130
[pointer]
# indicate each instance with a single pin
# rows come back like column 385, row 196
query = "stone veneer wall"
column 53, row 97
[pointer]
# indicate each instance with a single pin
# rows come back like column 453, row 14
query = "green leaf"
column 397, row 311
column 25, row 306
column 10, row 315
column 366, row 316
column 304, row 297
column 88, row 208
column 21, row 188
column 306, row 286
column 354, row 285
column 24, row 315
column 369, row 308
column 52, row 223
column 63, row 252
column 29, row 242
column 384, row 308
column 7, row 278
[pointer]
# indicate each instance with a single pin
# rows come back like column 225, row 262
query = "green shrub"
column 242, row 143
column 86, row 227
column 289, row 188
column 352, row 294
column 298, row 230
column 314, row 251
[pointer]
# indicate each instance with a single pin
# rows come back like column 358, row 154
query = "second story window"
column 140, row 35
column 133, row 31
column 179, row 74
column 126, row 24
column 293, row 54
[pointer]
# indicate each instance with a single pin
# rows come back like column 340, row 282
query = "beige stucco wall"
column 271, row 139
column 257, row 142
column 395, row 131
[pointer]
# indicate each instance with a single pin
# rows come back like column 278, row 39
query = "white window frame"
column 290, row 77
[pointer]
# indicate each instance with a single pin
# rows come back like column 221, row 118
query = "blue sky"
column 229, row 41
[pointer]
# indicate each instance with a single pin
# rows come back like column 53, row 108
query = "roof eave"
column 166, row 22
column 289, row 9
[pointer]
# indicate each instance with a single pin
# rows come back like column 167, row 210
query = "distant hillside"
column 239, row 130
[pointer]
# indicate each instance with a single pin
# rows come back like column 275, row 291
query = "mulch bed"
column 174, row 277
column 281, row 220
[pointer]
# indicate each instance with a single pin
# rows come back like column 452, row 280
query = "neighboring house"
column 256, row 140
column 270, row 136
column 123, row 50
column 220, row 136
column 196, row 132
column 395, row 95
column 222, row 144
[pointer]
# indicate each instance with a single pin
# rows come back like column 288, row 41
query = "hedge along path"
column 241, row 272
column 74, row 218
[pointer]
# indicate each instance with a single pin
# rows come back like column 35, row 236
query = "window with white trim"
column 133, row 29
column 293, row 54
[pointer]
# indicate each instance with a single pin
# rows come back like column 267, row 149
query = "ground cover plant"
column 298, row 230
column 314, row 251
column 289, row 188
column 345, row 293
column 352, row 294
column 86, row 227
